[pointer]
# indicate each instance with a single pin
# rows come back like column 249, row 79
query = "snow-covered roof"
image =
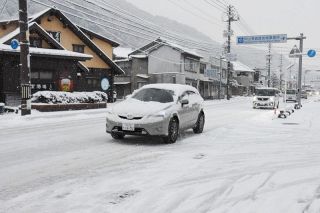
column 44, row 51
column 143, row 76
column 240, row 67
column 122, row 52
column 122, row 60
column 146, row 49
column 121, row 83
column 177, row 88
column 139, row 56
column 183, row 49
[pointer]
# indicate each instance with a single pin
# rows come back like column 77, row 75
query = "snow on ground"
column 245, row 161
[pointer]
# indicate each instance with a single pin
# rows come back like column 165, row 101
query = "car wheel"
column 117, row 136
column 173, row 131
column 200, row 124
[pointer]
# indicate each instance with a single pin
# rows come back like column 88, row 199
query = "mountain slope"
column 114, row 19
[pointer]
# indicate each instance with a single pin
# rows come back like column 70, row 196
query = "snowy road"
column 245, row 161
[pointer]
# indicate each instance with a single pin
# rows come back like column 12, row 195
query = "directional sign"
column 262, row 39
column 311, row 53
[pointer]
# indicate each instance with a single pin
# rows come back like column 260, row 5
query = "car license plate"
column 128, row 127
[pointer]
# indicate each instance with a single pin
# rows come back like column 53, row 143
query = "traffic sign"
column 295, row 52
column 311, row 53
column 262, row 39
column 14, row 44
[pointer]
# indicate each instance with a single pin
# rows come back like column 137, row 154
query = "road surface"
column 245, row 161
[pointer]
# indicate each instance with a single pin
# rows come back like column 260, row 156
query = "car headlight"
column 109, row 113
column 271, row 99
column 161, row 114
column 255, row 98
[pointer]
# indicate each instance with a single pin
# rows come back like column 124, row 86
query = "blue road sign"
column 262, row 39
column 14, row 44
column 311, row 53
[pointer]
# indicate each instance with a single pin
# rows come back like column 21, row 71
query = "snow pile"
column 54, row 97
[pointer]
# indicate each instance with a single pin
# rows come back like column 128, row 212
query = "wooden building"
column 51, row 29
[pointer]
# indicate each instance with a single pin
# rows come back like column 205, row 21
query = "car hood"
column 264, row 96
column 138, row 108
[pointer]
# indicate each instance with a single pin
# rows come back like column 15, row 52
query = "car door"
column 194, row 106
column 184, row 111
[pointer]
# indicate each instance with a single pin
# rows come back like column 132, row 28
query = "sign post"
column 25, row 76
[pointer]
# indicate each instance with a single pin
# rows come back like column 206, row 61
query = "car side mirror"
column 184, row 102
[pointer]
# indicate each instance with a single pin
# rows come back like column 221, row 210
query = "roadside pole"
column 231, row 17
column 25, row 75
column 220, row 70
column 300, row 39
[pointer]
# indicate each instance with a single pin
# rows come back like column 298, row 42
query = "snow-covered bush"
column 54, row 97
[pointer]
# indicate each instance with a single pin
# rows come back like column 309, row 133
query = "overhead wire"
column 3, row 6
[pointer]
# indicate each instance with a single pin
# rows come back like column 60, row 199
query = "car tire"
column 117, row 136
column 200, row 124
column 173, row 131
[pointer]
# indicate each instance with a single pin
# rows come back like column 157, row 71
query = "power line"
column 114, row 35
column 4, row 5
column 146, row 36
column 200, row 46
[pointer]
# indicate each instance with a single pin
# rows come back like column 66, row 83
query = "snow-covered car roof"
column 178, row 89
column 267, row 88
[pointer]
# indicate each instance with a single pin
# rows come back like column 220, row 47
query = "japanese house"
column 64, row 56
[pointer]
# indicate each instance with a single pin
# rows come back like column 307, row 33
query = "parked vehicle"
column 304, row 94
column 157, row 110
column 266, row 98
column 291, row 95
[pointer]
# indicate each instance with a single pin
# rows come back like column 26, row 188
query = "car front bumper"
column 143, row 127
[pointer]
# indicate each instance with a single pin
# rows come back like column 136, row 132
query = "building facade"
column 165, row 62
column 51, row 29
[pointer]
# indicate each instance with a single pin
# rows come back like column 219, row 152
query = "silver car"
column 157, row 110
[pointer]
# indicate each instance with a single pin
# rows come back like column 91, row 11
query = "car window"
column 265, row 92
column 291, row 92
column 154, row 94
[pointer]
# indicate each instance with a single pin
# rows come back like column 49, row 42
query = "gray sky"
column 264, row 17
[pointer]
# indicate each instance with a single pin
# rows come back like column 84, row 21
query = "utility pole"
column 269, row 64
column 231, row 17
column 25, row 80
column 281, row 74
column 220, row 77
column 300, row 39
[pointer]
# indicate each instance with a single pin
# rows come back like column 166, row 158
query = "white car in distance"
column 161, row 110
column 266, row 98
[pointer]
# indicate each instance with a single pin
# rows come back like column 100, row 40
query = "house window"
column 202, row 68
column 92, row 82
column 35, row 42
column 190, row 65
column 78, row 48
column 55, row 35
column 42, row 75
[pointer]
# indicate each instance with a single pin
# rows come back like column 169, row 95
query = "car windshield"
column 265, row 92
column 291, row 92
column 154, row 94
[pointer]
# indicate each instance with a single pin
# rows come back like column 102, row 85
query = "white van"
column 291, row 95
column 266, row 98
